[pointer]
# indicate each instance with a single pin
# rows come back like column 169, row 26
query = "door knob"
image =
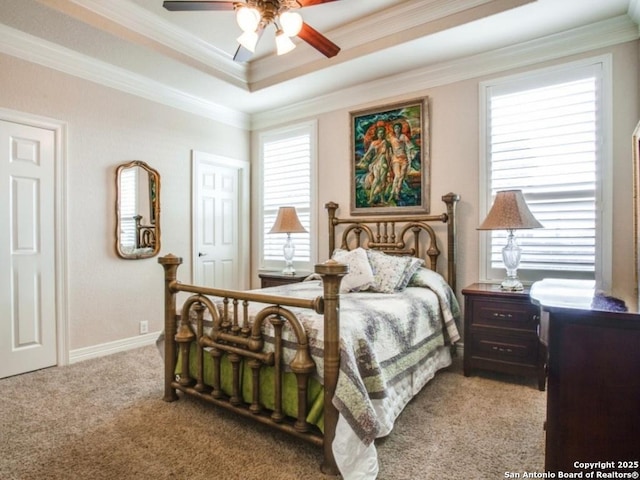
column 200, row 254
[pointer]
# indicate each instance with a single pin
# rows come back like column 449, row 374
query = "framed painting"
column 390, row 159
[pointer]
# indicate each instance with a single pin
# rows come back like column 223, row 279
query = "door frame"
column 244, row 232
column 59, row 130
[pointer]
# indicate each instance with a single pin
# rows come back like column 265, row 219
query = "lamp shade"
column 287, row 222
column 283, row 43
column 509, row 212
column 249, row 40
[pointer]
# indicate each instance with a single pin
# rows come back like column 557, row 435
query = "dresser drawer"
column 504, row 314
column 490, row 345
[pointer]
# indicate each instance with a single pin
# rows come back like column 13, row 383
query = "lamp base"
column 288, row 270
column 511, row 284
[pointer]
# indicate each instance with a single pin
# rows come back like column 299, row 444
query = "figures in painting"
column 386, row 163
column 377, row 161
column 403, row 153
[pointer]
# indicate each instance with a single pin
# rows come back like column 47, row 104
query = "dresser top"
column 553, row 292
column 493, row 290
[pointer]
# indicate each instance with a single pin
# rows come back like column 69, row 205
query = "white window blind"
column 286, row 181
column 128, row 206
column 544, row 137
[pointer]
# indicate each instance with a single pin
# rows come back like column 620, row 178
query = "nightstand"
column 501, row 332
column 273, row 279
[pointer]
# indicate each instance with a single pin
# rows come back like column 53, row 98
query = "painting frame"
column 390, row 159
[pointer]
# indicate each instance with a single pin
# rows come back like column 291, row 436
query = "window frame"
column 604, row 167
column 309, row 127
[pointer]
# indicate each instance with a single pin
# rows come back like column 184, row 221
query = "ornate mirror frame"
column 137, row 211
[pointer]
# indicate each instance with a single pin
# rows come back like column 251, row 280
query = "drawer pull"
column 502, row 349
column 502, row 315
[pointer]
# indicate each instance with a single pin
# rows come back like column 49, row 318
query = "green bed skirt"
column 315, row 391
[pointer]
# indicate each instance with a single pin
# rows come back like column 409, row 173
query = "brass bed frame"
column 232, row 334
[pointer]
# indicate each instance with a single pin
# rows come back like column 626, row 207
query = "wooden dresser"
column 593, row 390
column 501, row 332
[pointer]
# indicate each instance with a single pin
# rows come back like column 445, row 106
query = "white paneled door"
column 27, row 249
column 217, row 207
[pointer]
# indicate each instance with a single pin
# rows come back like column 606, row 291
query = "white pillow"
column 360, row 276
column 388, row 271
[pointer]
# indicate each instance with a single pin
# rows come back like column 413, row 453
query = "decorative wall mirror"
column 137, row 210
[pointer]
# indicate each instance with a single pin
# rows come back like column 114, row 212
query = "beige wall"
column 455, row 161
column 108, row 296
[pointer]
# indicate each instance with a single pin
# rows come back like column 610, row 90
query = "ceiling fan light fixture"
column 248, row 18
column 249, row 40
column 283, row 43
column 291, row 23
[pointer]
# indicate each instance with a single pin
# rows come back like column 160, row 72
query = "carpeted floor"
column 105, row 419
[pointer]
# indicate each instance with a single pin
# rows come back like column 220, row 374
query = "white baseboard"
column 101, row 350
column 96, row 351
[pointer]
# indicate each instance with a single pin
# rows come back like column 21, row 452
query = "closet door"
column 27, row 249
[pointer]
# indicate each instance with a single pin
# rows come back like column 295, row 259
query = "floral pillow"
column 360, row 276
column 388, row 271
column 410, row 271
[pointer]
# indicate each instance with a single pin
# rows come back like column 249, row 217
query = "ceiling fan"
column 254, row 16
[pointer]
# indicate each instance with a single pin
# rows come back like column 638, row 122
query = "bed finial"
column 170, row 263
column 331, row 208
column 332, row 273
column 451, row 200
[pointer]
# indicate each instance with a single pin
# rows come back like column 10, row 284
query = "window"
column 288, row 170
column 128, row 208
column 544, row 133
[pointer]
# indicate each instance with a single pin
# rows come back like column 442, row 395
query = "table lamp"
column 510, row 212
column 287, row 222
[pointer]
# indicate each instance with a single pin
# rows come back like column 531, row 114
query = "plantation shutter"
column 287, row 182
column 544, row 141
column 128, row 207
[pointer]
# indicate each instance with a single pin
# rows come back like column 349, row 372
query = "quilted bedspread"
column 384, row 339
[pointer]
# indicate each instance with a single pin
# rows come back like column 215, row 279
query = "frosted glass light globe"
column 248, row 19
column 291, row 23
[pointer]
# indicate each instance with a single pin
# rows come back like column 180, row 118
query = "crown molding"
column 36, row 50
column 174, row 41
column 603, row 34
column 634, row 10
column 403, row 23
column 571, row 42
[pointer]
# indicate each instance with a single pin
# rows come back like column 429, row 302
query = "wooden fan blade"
column 178, row 6
column 308, row 3
column 318, row 41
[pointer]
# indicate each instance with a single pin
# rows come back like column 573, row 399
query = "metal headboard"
column 399, row 235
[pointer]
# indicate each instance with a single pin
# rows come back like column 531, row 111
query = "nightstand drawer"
column 504, row 314
column 504, row 347
column 501, row 332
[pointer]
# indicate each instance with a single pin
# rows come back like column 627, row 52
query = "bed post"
column 170, row 264
column 451, row 199
column 331, row 209
column 332, row 273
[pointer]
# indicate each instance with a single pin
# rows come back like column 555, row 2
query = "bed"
column 332, row 360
